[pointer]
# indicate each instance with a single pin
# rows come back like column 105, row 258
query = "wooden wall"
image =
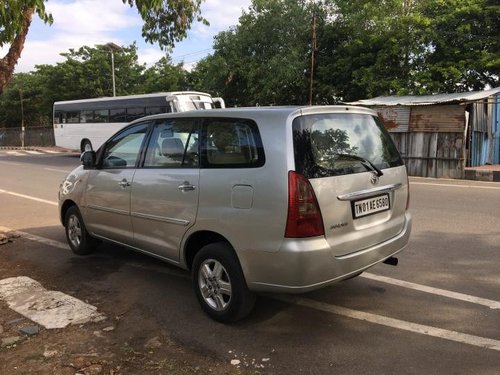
column 429, row 154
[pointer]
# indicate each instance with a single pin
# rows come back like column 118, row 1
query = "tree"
column 165, row 22
column 164, row 76
column 264, row 60
column 15, row 20
column 85, row 73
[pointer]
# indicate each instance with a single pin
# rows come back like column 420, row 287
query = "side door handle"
column 124, row 183
column 186, row 186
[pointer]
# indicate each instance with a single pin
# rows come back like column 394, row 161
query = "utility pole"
column 313, row 52
column 22, row 117
column 113, row 48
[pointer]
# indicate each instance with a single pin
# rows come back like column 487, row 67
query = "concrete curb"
column 482, row 175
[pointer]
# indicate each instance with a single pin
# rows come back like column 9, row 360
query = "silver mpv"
column 250, row 200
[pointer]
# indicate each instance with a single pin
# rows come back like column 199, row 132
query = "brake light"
column 304, row 216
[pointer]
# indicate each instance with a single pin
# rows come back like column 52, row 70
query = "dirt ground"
column 127, row 343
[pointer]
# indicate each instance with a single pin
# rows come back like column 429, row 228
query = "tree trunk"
column 8, row 63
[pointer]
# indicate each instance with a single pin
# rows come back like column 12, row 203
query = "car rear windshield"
column 341, row 143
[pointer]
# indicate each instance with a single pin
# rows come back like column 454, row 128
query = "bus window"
column 134, row 113
column 58, row 117
column 117, row 115
column 72, row 117
column 86, row 116
column 101, row 115
column 155, row 110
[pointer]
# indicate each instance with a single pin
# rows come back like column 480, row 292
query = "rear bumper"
column 302, row 265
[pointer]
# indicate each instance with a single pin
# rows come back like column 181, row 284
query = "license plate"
column 370, row 206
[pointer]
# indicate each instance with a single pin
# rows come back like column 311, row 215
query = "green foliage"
column 263, row 60
column 29, row 87
column 365, row 48
column 85, row 73
column 11, row 17
column 167, row 21
column 164, row 76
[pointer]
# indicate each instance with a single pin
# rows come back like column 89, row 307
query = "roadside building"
column 441, row 135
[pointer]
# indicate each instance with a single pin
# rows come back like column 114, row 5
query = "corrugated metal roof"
column 428, row 99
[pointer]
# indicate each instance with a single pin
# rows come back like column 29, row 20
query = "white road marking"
column 15, row 153
column 51, row 309
column 463, row 338
column 28, row 197
column 440, row 292
column 360, row 315
column 52, row 152
column 457, row 186
column 33, row 152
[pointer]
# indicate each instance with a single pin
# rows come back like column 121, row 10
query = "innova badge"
column 374, row 178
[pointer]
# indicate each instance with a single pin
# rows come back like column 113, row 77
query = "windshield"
column 193, row 102
column 341, row 143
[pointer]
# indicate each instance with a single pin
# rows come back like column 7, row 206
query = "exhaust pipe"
column 392, row 261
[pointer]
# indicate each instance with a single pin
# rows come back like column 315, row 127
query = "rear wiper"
column 364, row 162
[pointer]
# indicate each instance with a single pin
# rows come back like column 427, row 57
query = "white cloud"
column 221, row 14
column 90, row 22
column 79, row 23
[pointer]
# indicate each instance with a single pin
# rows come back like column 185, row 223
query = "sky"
column 91, row 22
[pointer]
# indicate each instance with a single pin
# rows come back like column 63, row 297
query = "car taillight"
column 304, row 216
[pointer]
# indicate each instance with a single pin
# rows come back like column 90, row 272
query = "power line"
column 180, row 57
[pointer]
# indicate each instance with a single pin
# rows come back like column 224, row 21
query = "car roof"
column 257, row 112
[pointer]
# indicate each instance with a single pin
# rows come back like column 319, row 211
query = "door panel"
column 164, row 199
column 108, row 204
column 107, row 198
column 161, row 212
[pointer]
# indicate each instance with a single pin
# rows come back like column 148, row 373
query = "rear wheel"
column 79, row 240
column 220, row 285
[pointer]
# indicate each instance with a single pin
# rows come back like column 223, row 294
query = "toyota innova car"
column 249, row 200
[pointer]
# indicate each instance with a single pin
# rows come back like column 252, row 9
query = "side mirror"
column 88, row 159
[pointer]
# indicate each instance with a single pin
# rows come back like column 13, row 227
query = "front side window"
column 231, row 143
column 173, row 144
column 123, row 150
column 341, row 143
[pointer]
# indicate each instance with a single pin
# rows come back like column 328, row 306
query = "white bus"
column 88, row 123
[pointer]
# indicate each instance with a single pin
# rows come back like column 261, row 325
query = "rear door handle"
column 124, row 183
column 186, row 186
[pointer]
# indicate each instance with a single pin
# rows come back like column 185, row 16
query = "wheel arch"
column 196, row 241
column 64, row 208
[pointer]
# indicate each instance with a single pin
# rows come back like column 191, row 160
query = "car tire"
column 220, row 285
column 79, row 240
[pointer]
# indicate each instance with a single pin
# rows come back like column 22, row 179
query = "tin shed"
column 440, row 135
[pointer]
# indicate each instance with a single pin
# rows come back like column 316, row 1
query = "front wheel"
column 219, row 283
column 79, row 240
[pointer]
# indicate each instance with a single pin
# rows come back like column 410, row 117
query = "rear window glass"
column 338, row 143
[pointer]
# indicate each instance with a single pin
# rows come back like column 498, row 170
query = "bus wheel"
column 85, row 145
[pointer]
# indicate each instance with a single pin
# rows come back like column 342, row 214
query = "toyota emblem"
column 374, row 178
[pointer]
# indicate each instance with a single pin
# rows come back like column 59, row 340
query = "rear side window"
column 231, row 143
column 173, row 144
column 336, row 144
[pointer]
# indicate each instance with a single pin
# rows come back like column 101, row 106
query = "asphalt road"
column 438, row 311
